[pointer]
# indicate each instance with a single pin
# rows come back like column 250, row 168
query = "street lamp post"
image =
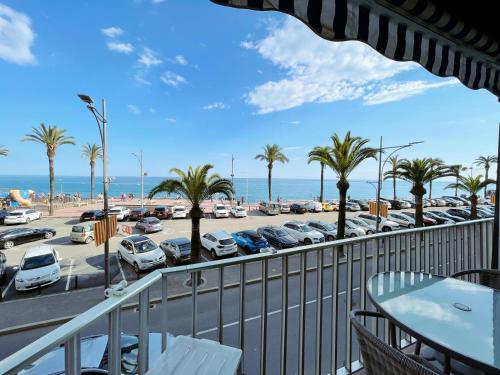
column 139, row 158
column 101, row 124
column 381, row 166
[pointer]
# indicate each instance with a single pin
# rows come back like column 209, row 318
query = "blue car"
column 250, row 241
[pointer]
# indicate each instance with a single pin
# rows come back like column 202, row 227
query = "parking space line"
column 205, row 258
column 9, row 285
column 120, row 268
column 71, row 262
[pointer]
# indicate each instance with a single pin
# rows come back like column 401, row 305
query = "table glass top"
column 458, row 315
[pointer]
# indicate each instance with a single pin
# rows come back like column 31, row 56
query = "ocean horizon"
column 251, row 189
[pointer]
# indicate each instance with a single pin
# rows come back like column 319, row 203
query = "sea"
column 247, row 189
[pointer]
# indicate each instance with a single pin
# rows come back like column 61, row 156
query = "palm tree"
column 344, row 156
column 420, row 172
column 485, row 162
column 394, row 162
column 3, row 151
column 271, row 154
column 456, row 169
column 436, row 163
column 473, row 186
column 319, row 154
column 52, row 137
column 92, row 152
column 195, row 186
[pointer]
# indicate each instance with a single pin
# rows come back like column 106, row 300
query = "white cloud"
column 317, row 71
column 400, row 90
column 140, row 78
column 295, row 122
column 157, row 1
column 216, row 105
column 181, row 60
column 171, row 120
column 172, row 79
column 120, row 47
column 134, row 109
column 149, row 58
column 293, row 148
column 16, row 37
column 112, row 32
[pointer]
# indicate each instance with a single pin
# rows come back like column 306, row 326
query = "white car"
column 384, row 224
column 314, row 206
column 219, row 243
column 402, row 220
column 369, row 228
column 121, row 213
column 39, row 267
column 22, row 216
column 179, row 212
column 140, row 252
column 327, row 230
column 220, row 210
column 284, row 208
column 303, row 232
column 238, row 211
column 351, row 229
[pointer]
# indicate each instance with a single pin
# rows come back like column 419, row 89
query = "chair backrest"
column 380, row 358
column 487, row 277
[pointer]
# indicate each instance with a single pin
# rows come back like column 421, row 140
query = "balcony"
column 288, row 311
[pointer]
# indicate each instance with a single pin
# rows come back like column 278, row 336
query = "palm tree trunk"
column 419, row 212
column 341, row 222
column 321, row 183
column 92, row 181
column 456, row 186
column 473, row 207
column 430, row 189
column 196, row 213
column 486, row 170
column 394, row 187
column 269, row 177
column 51, row 184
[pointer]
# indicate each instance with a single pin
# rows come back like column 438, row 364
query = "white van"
column 83, row 232
column 179, row 212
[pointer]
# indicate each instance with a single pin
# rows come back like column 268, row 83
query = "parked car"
column 445, row 215
column 92, row 215
column 269, row 208
column 327, row 207
column 426, row 203
column 440, row 202
column 83, row 232
column 162, row 212
column 439, row 219
column 398, row 204
column 303, row 232
column 238, row 211
column 121, row 213
column 363, row 204
column 386, row 202
column 464, row 200
column 452, row 201
column 410, row 202
column 298, row 208
column 277, row 236
column 402, row 220
column 367, row 227
column 314, row 206
column 284, row 208
column 481, row 213
column 250, row 241
column 11, row 237
column 177, row 249
column 427, row 220
column 139, row 213
column 352, row 207
column 219, row 244
column 149, row 225
column 22, row 216
column 385, row 225
column 327, row 230
column 335, row 204
column 351, row 229
column 3, row 266
column 3, row 213
column 459, row 212
column 483, row 201
column 140, row 252
column 179, row 212
column 219, row 210
column 39, row 267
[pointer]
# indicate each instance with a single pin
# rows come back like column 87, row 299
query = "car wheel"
column 28, row 220
column 386, row 229
column 307, row 241
column 411, row 226
column 118, row 254
column 136, row 268
column 213, row 254
column 48, row 235
column 89, row 240
column 8, row 244
column 369, row 232
column 353, row 235
column 330, row 238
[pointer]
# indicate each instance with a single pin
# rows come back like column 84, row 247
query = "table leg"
column 447, row 364
column 418, row 346
column 392, row 335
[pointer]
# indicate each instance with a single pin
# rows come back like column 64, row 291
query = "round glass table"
column 455, row 317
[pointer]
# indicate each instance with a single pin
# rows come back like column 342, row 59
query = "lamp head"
column 85, row 98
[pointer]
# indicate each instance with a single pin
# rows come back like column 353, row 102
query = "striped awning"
column 402, row 30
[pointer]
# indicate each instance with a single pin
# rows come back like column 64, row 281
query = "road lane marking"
column 71, row 262
column 120, row 268
column 9, row 285
column 270, row 313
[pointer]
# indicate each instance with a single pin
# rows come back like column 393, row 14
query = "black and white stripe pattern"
column 446, row 46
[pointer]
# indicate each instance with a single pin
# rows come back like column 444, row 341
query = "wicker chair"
column 489, row 278
column 382, row 359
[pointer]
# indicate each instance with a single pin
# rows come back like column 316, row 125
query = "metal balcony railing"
column 287, row 311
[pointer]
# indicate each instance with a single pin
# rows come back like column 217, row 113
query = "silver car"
column 149, row 225
column 367, row 227
column 327, row 230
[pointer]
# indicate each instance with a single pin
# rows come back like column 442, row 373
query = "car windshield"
column 78, row 229
column 226, row 241
column 153, row 220
column 179, row 209
column 160, row 209
column 280, row 233
column 306, row 228
column 185, row 248
column 240, row 209
column 38, row 261
column 115, row 210
column 15, row 214
column 255, row 237
column 129, row 354
column 220, row 207
column 144, row 246
column 137, row 211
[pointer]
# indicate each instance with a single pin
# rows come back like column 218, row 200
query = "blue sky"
column 190, row 82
